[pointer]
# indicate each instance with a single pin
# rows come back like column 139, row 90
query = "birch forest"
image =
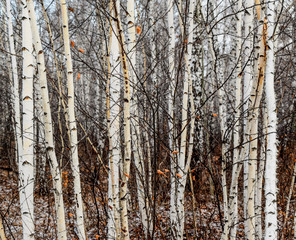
column 147, row 119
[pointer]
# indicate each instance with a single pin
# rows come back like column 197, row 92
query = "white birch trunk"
column 73, row 128
column 15, row 90
column 233, row 213
column 260, row 176
column 113, row 120
column 126, row 112
column 171, row 109
column 182, row 171
column 47, row 120
column 136, row 134
column 26, row 164
column 248, row 73
column 271, row 150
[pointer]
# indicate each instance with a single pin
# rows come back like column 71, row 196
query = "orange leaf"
column 72, row 44
column 193, row 178
column 97, row 236
column 175, row 152
column 70, row 9
column 215, row 115
column 166, row 170
column 161, row 173
column 139, row 30
column 178, row 175
column 78, row 76
column 185, row 41
column 126, row 175
column 81, row 50
column 70, row 214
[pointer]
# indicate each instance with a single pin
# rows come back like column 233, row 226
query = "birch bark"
column 183, row 166
column 26, row 164
column 233, row 213
column 171, row 46
column 47, row 120
column 113, row 120
column 136, row 136
column 126, row 112
column 248, row 73
column 72, row 126
column 271, row 150
column 15, row 94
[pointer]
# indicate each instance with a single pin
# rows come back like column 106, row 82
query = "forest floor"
column 208, row 215
column 95, row 213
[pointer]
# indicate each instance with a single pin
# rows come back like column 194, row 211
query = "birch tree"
column 26, row 163
column 136, row 135
column 47, row 120
column 72, row 126
column 15, row 91
column 248, row 73
column 271, row 149
column 236, row 136
column 113, row 120
column 126, row 112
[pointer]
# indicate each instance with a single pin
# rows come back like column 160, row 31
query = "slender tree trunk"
column 136, row 135
column 171, row 109
column 260, row 176
column 15, row 90
column 248, row 79
column 47, row 120
column 236, row 136
column 183, row 167
column 113, row 121
column 73, row 127
column 26, row 164
column 271, row 157
column 126, row 112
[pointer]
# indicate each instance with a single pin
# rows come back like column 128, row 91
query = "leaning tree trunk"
column 47, row 120
column 73, row 127
column 26, row 163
